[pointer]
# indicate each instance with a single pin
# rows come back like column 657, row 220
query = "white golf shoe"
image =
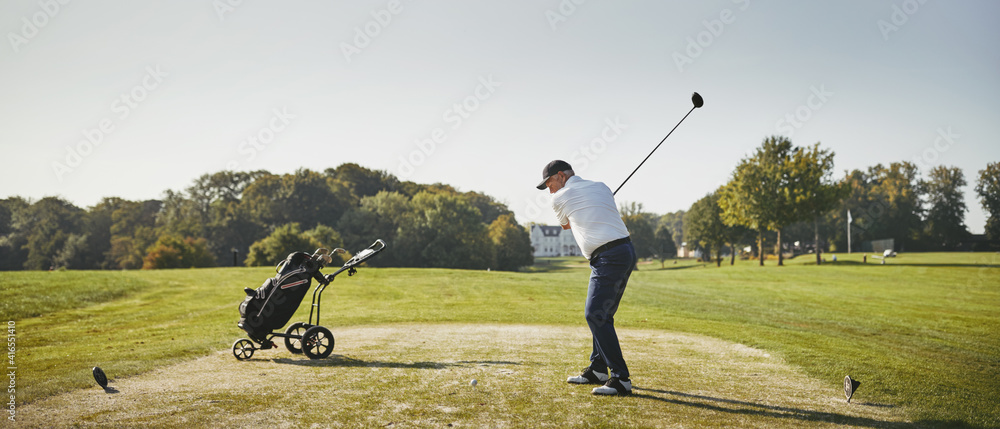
column 614, row 386
column 588, row 376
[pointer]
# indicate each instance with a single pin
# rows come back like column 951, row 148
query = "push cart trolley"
column 267, row 308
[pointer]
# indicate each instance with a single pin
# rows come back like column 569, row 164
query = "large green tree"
column 988, row 188
column 50, row 222
column 885, row 202
column 446, row 231
column 14, row 214
column 512, row 243
column 180, row 215
column 703, row 225
column 810, row 188
column 641, row 228
column 757, row 195
column 380, row 216
column 99, row 222
column 133, row 231
column 736, row 236
column 663, row 244
column 675, row 222
column 360, row 181
column 945, row 222
column 304, row 197
column 226, row 223
column 894, row 207
column 285, row 239
column 488, row 207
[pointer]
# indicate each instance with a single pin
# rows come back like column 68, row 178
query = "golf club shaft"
column 654, row 150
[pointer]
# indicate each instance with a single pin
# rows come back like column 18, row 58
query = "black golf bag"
column 271, row 306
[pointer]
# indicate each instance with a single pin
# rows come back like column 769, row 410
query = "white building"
column 553, row 241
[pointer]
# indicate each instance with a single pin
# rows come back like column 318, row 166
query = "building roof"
column 549, row 231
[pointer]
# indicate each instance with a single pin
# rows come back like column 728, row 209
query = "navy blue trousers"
column 609, row 275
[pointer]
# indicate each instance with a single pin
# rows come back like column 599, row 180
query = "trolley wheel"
column 243, row 349
column 317, row 342
column 294, row 345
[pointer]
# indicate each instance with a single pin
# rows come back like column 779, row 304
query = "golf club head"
column 99, row 376
column 850, row 386
column 697, row 100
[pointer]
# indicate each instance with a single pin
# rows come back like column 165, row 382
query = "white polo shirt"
column 589, row 208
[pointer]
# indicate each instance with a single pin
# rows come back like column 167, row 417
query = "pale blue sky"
column 875, row 81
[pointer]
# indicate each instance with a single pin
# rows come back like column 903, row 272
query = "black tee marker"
column 850, row 386
column 102, row 379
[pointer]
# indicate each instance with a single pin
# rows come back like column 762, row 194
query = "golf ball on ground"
column 473, row 382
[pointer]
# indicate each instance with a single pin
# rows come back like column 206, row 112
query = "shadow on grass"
column 754, row 409
column 488, row 362
column 944, row 265
column 348, row 362
column 677, row 267
column 878, row 263
column 548, row 268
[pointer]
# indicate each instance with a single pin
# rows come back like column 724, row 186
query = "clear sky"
column 129, row 99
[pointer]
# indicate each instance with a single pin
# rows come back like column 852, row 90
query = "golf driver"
column 698, row 102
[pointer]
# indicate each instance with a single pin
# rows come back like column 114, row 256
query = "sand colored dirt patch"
column 418, row 375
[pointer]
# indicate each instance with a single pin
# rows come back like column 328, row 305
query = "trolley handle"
column 364, row 255
column 359, row 258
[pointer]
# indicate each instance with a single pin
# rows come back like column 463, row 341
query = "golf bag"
column 270, row 306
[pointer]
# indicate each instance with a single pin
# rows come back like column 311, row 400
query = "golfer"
column 589, row 210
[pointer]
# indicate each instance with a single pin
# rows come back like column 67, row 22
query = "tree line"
column 783, row 193
column 260, row 217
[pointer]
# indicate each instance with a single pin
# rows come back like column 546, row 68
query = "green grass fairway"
column 709, row 347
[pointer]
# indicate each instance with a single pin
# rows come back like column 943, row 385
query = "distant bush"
column 290, row 238
column 172, row 251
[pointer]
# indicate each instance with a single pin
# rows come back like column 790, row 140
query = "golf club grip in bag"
column 271, row 306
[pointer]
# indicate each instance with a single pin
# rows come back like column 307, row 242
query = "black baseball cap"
column 551, row 169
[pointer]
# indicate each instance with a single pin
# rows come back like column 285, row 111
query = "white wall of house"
column 553, row 241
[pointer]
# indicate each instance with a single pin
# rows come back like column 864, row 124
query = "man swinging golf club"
column 588, row 209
